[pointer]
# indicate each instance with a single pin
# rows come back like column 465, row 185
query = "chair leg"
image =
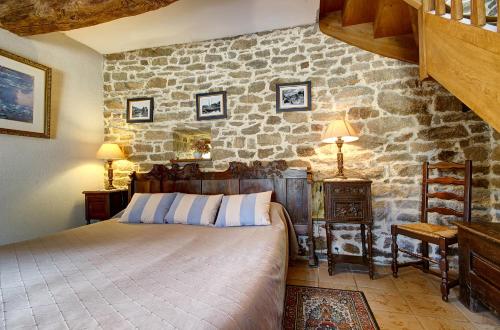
column 425, row 253
column 443, row 267
column 394, row 247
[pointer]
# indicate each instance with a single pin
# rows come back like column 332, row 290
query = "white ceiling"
column 195, row 20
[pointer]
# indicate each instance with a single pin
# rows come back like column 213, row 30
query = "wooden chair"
column 442, row 236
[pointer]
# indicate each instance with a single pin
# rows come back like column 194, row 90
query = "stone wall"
column 402, row 121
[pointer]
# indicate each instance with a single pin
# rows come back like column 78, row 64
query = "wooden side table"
column 103, row 204
column 348, row 201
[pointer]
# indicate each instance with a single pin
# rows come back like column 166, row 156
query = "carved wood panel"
column 348, row 200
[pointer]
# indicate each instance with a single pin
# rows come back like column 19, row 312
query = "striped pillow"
column 245, row 210
column 148, row 208
column 194, row 209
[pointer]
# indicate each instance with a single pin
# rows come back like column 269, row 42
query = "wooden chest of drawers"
column 479, row 260
column 348, row 201
column 103, row 204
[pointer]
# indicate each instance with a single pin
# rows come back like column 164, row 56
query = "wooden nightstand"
column 348, row 201
column 103, row 204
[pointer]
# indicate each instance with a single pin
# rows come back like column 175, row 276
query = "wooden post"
column 457, row 10
column 427, row 5
column 478, row 12
column 440, row 7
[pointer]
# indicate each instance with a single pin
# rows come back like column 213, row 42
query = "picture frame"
column 140, row 110
column 25, row 96
column 210, row 106
column 293, row 97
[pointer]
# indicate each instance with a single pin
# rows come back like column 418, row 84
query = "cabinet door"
column 345, row 202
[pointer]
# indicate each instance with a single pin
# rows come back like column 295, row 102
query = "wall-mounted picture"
column 24, row 96
column 293, row 97
column 211, row 106
column 140, row 110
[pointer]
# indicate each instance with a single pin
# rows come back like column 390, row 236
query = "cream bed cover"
column 127, row 276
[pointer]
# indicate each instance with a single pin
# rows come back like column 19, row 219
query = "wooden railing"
column 463, row 54
column 477, row 16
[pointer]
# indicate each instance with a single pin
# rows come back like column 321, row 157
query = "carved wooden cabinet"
column 103, row 204
column 348, row 201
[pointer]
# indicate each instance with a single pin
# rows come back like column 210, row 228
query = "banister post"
column 427, row 5
column 478, row 12
column 457, row 10
column 440, row 7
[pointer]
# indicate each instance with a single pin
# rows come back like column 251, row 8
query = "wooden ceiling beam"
column 30, row 17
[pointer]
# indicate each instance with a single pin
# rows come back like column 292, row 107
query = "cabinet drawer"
column 485, row 269
column 346, row 190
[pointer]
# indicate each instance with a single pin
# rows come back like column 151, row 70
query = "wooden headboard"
column 291, row 187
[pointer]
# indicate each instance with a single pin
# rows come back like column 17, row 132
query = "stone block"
column 156, row 135
column 265, row 153
column 157, row 83
column 254, row 129
column 443, row 133
column 243, row 44
column 257, row 64
column 295, row 117
column 268, row 139
column 398, row 104
column 305, row 151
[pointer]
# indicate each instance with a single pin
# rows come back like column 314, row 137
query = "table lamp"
column 339, row 131
column 110, row 152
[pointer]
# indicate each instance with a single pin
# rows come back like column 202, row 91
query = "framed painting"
column 24, row 96
column 140, row 110
column 293, row 97
column 211, row 106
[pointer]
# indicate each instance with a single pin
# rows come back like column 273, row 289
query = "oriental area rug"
column 321, row 308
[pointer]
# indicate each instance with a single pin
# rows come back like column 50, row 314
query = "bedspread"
column 113, row 275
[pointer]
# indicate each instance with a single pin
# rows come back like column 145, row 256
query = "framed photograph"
column 24, row 96
column 140, row 110
column 211, row 106
column 293, row 97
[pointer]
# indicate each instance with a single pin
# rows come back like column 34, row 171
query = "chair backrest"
column 465, row 181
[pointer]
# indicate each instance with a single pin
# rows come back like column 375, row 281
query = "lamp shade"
column 339, row 129
column 110, row 151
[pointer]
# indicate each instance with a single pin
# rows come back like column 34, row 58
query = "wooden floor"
column 412, row 301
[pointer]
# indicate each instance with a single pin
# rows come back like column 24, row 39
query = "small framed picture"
column 140, row 110
column 211, row 106
column 24, row 96
column 293, row 97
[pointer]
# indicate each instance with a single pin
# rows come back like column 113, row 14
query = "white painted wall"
column 195, row 20
column 41, row 180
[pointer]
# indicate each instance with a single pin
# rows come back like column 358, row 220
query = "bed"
column 115, row 275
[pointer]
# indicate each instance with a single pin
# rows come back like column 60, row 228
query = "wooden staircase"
column 461, row 52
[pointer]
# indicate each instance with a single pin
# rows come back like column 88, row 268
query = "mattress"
column 112, row 275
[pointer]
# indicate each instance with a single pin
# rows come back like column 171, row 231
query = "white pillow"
column 245, row 210
column 194, row 209
column 148, row 208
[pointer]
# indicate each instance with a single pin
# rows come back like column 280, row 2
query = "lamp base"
column 110, row 176
column 340, row 176
column 340, row 161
